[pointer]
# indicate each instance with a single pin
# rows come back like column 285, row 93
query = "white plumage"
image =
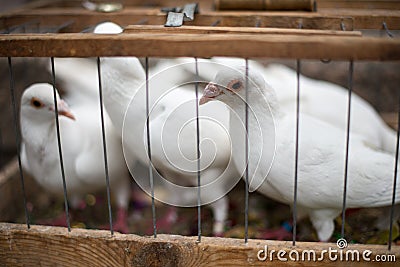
column 320, row 99
column 172, row 128
column 321, row 154
column 81, row 143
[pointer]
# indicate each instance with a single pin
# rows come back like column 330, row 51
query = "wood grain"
column 233, row 30
column 307, row 5
column 358, row 4
column 49, row 246
column 369, row 18
column 197, row 45
column 152, row 16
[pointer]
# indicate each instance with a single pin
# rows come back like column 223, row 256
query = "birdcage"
column 322, row 31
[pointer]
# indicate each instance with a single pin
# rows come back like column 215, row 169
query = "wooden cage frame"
column 330, row 33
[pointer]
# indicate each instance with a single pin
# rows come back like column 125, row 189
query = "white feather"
column 321, row 156
column 81, row 143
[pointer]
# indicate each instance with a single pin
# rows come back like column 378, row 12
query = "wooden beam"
column 232, row 30
column 307, row 5
column 367, row 18
column 49, row 246
column 84, row 18
column 196, row 45
column 357, row 4
column 29, row 6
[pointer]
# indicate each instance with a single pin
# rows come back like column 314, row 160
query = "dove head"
column 229, row 86
column 38, row 103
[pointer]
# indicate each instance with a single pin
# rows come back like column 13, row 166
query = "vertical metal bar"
column 296, row 163
column 246, row 199
column 387, row 30
column 342, row 26
column 2, row 161
column 59, row 144
column 153, row 207
column 396, row 162
column 18, row 140
column 346, row 165
column 198, row 153
column 103, row 131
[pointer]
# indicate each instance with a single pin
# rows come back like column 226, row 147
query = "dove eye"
column 36, row 103
column 235, row 85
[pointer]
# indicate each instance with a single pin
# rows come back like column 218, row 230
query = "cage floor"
column 264, row 214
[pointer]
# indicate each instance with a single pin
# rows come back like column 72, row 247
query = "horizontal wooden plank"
column 84, row 18
column 49, row 246
column 356, row 4
column 232, row 30
column 329, row 17
column 197, row 45
column 207, row 5
column 307, row 5
column 367, row 18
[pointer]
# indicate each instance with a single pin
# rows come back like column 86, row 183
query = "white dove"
column 173, row 131
column 320, row 99
column 321, row 154
column 82, row 148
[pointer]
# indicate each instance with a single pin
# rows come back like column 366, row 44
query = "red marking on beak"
column 64, row 110
column 210, row 92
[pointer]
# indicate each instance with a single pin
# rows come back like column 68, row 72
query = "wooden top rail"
column 200, row 45
column 367, row 18
column 330, row 18
column 232, row 30
column 128, row 16
column 49, row 246
column 357, row 4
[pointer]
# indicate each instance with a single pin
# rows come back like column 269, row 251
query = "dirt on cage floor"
column 376, row 82
column 360, row 227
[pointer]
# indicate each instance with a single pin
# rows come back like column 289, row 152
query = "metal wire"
column 296, row 164
column 196, row 86
column 387, row 30
column 57, row 29
column 59, row 145
column 396, row 163
column 16, row 27
column 342, row 26
column 18, row 140
column 103, row 131
column 153, row 207
column 215, row 23
column 346, row 165
column 246, row 199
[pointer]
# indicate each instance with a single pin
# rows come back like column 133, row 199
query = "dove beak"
column 210, row 93
column 63, row 109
